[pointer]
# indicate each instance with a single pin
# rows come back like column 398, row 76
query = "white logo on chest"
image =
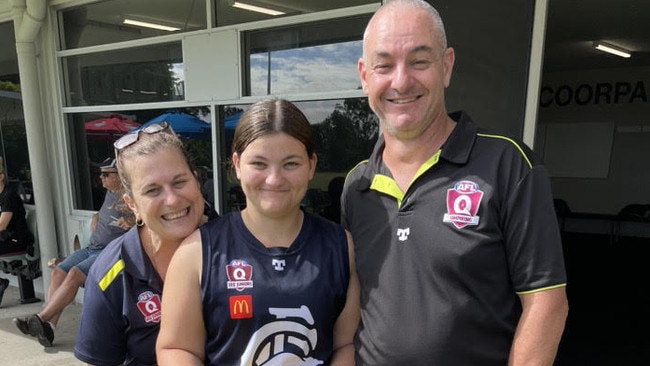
column 403, row 234
column 278, row 264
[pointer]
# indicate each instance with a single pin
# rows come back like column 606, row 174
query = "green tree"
column 347, row 136
column 9, row 86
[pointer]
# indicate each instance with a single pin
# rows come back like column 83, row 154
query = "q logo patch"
column 149, row 306
column 462, row 204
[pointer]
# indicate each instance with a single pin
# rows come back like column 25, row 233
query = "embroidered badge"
column 149, row 306
column 462, row 204
column 239, row 274
column 241, row 307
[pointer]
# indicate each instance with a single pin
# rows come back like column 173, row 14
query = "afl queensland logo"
column 462, row 204
column 149, row 306
column 239, row 274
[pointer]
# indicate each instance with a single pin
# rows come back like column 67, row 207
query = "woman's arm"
column 181, row 340
column 5, row 218
column 93, row 221
column 347, row 322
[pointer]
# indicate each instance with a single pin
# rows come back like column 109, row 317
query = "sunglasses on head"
column 131, row 137
column 106, row 174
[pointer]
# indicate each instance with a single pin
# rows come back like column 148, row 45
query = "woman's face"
column 165, row 194
column 274, row 172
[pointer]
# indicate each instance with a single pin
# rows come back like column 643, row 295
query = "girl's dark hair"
column 272, row 116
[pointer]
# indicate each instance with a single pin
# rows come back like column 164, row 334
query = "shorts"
column 82, row 259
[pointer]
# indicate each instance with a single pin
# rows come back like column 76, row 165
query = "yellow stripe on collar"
column 387, row 185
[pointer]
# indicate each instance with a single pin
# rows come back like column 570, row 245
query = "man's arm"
column 540, row 328
column 93, row 222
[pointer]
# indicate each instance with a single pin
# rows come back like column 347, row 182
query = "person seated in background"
column 112, row 220
column 14, row 236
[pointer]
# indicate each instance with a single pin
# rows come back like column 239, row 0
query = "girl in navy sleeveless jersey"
column 271, row 284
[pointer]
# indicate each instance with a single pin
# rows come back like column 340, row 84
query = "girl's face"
column 274, row 172
column 165, row 194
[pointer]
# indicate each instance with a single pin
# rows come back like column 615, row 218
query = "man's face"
column 404, row 71
column 110, row 179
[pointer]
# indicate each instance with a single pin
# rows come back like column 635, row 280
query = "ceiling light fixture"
column 150, row 25
column 610, row 48
column 258, row 9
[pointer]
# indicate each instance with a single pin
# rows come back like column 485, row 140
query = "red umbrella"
column 109, row 128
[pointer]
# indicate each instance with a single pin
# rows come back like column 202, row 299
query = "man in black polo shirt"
column 456, row 240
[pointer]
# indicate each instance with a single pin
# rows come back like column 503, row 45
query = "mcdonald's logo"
column 241, row 307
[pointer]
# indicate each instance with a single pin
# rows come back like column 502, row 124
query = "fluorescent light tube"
column 150, row 25
column 258, row 9
column 614, row 50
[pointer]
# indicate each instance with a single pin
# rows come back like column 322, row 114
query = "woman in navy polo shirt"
column 121, row 313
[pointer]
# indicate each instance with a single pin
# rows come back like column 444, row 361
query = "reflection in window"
column 13, row 138
column 345, row 131
column 314, row 57
column 13, row 141
column 236, row 12
column 110, row 21
column 93, row 134
column 138, row 75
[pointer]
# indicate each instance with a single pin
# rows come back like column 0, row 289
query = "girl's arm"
column 347, row 322
column 181, row 340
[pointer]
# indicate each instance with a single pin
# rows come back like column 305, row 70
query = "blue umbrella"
column 185, row 125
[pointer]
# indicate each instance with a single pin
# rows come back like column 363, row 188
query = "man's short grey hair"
column 420, row 4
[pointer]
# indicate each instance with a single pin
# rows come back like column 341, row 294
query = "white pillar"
column 28, row 18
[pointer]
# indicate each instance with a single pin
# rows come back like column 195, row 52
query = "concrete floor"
column 19, row 349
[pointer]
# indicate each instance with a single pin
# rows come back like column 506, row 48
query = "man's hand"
column 123, row 223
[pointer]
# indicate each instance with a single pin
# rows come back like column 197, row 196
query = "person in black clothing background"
column 14, row 236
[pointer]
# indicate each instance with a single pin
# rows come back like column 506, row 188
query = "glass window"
column 93, row 134
column 135, row 75
column 345, row 131
column 124, row 20
column 243, row 11
column 490, row 75
column 314, row 57
column 13, row 138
